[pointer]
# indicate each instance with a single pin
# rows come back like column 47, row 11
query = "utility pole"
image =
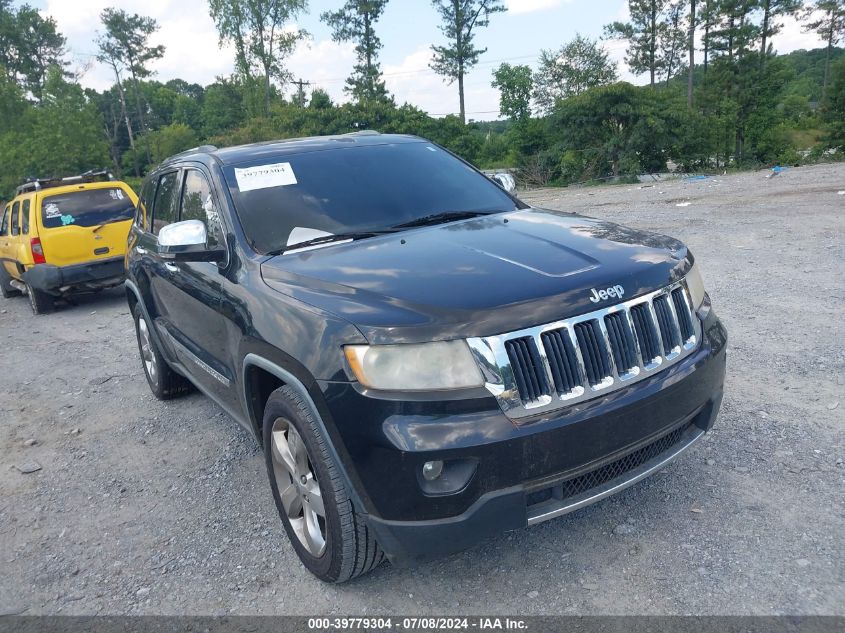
column 300, row 92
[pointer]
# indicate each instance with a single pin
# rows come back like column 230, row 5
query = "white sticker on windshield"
column 51, row 210
column 116, row 194
column 264, row 176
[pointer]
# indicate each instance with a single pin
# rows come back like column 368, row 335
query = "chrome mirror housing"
column 505, row 180
column 187, row 241
column 186, row 233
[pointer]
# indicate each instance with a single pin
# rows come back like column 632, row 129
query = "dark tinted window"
column 142, row 215
column 25, row 217
column 86, row 207
column 198, row 204
column 355, row 189
column 4, row 224
column 167, row 201
column 16, row 211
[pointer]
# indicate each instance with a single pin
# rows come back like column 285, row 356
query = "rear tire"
column 6, row 288
column 164, row 382
column 39, row 301
column 327, row 533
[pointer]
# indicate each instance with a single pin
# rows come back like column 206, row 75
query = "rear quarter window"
column 25, row 217
column 88, row 207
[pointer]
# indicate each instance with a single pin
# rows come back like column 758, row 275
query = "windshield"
column 283, row 200
column 87, row 207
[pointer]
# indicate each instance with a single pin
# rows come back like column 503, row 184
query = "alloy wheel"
column 147, row 353
column 298, row 487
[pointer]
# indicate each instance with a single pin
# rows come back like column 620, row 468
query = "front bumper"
column 93, row 275
column 523, row 474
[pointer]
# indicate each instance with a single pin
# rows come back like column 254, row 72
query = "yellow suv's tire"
column 6, row 288
column 164, row 382
column 39, row 301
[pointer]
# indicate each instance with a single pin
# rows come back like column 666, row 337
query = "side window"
column 167, row 201
column 25, row 217
column 4, row 224
column 142, row 213
column 16, row 212
column 198, row 204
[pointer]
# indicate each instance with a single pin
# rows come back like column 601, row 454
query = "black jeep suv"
column 426, row 360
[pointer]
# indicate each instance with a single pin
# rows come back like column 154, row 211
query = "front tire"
column 329, row 536
column 6, row 288
column 164, row 382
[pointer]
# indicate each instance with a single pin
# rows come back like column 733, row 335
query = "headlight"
column 422, row 367
column 696, row 287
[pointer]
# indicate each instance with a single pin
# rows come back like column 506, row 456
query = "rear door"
column 188, row 293
column 82, row 225
column 11, row 239
column 6, row 255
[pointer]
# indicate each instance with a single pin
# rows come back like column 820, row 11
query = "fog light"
column 432, row 470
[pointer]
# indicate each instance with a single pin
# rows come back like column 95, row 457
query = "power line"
column 432, row 72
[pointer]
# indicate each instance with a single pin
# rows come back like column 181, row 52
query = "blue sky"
column 407, row 29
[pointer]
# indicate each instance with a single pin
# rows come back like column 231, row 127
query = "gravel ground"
column 142, row 507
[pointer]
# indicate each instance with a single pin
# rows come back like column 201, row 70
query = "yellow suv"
column 66, row 235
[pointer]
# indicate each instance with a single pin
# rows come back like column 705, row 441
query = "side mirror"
column 187, row 241
column 505, row 181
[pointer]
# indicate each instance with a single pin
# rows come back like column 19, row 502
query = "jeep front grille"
column 549, row 366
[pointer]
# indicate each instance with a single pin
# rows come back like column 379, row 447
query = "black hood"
column 478, row 277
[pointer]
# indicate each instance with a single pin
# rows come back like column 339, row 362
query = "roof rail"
column 364, row 133
column 202, row 149
column 37, row 184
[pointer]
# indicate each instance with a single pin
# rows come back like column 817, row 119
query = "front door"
column 187, row 294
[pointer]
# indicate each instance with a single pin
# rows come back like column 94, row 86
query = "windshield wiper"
column 328, row 239
column 439, row 218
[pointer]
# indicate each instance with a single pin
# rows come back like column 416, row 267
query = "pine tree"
column 355, row 22
column 460, row 19
column 827, row 19
column 642, row 33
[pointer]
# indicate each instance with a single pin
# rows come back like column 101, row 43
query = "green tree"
column 826, row 18
column 642, row 33
column 108, row 54
column 29, row 45
column 459, row 21
column 515, row 84
column 577, row 66
column 126, row 41
column 61, row 135
column 773, row 12
column 355, row 22
column 672, row 39
column 261, row 33
column 320, row 100
column 170, row 140
column 42, row 47
column 223, row 107
column 834, row 108
column 691, row 26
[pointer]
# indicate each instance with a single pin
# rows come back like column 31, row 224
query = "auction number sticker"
column 265, row 176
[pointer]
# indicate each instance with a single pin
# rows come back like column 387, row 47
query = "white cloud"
column 792, row 37
column 186, row 30
column 325, row 64
column 516, row 7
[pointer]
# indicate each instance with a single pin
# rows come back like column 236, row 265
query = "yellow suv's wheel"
column 6, row 288
column 39, row 301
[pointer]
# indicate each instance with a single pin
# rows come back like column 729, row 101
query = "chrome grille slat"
column 545, row 367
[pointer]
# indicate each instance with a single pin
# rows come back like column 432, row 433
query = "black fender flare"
column 254, row 360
